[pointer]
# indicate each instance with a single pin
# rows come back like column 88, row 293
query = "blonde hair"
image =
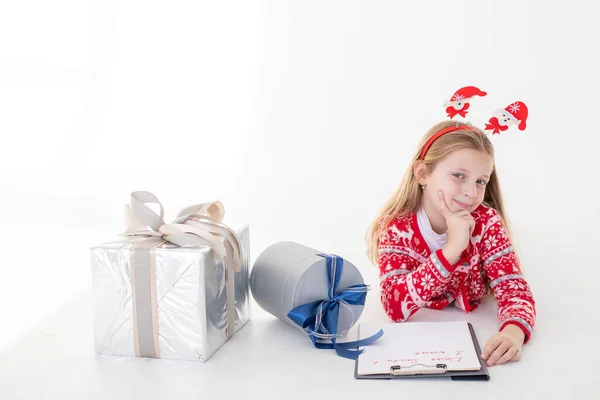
column 407, row 197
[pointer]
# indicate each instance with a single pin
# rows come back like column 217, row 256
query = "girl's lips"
column 463, row 205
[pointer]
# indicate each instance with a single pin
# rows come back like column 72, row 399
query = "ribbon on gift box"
column 194, row 226
column 320, row 318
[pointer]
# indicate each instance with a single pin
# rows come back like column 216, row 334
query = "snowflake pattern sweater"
column 411, row 276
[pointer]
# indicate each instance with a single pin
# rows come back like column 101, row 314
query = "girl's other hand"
column 504, row 346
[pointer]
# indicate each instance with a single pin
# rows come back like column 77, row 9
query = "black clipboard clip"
column 418, row 369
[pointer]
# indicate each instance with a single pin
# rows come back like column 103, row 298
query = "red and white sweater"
column 411, row 276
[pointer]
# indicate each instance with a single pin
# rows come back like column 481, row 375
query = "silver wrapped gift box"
column 288, row 274
column 173, row 291
column 321, row 294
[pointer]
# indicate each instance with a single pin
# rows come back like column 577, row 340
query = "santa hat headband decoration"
column 514, row 113
column 460, row 101
column 502, row 119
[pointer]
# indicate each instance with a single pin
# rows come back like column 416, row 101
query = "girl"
column 442, row 238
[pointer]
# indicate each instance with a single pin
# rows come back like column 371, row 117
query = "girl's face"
column 462, row 176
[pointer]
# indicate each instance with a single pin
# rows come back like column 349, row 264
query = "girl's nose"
column 470, row 189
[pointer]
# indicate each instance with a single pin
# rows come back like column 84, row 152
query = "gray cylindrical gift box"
column 288, row 274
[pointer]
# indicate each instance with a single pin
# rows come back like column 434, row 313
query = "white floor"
column 268, row 359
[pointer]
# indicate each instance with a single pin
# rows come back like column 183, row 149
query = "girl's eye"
column 457, row 175
column 482, row 182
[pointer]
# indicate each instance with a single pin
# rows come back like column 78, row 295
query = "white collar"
column 434, row 240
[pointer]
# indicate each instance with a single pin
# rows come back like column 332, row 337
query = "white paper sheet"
column 408, row 344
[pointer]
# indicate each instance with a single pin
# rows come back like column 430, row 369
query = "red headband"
column 440, row 133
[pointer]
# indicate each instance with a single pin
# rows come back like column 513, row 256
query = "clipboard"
column 431, row 370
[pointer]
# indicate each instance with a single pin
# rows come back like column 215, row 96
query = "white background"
column 300, row 116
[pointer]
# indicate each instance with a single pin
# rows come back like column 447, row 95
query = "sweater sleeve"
column 515, row 300
column 409, row 281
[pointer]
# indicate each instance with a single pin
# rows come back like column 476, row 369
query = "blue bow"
column 320, row 318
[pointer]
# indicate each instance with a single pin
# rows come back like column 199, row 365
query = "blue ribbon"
column 320, row 318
